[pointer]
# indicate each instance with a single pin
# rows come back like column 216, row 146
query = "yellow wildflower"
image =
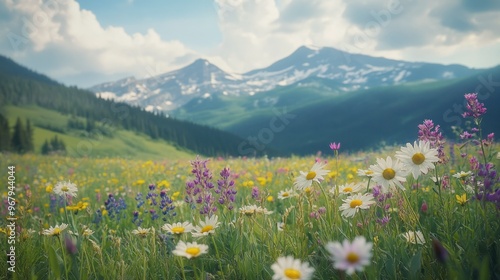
column 461, row 199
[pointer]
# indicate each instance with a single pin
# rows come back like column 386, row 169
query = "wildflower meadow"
column 428, row 209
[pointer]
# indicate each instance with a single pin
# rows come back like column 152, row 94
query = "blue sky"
column 86, row 42
column 193, row 22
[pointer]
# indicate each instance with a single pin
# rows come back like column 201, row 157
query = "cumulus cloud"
column 258, row 32
column 69, row 41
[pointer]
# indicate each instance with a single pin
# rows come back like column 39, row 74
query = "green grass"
column 121, row 143
column 243, row 246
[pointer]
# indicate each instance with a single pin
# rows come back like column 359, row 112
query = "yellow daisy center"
column 356, row 202
column 348, row 189
column 207, row 228
column 352, row 257
column 418, row 158
column 56, row 231
column 178, row 230
column 369, row 172
column 65, row 189
column 292, row 273
column 193, row 251
column 311, row 175
column 308, row 189
column 285, row 194
column 389, row 174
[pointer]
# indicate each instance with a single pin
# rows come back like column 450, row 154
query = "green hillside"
column 225, row 112
column 22, row 88
column 360, row 120
column 120, row 143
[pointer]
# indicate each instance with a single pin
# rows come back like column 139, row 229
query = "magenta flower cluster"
column 432, row 134
column 474, row 108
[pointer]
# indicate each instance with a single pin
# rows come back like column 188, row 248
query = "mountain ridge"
column 346, row 71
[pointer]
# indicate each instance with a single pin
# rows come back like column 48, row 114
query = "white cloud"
column 258, row 32
column 77, row 43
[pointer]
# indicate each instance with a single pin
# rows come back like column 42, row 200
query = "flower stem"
column 64, row 256
column 181, row 262
column 218, row 256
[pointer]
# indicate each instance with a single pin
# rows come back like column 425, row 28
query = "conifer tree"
column 46, row 148
column 4, row 134
column 29, row 137
column 19, row 143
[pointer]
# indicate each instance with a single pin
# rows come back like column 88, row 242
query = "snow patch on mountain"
column 202, row 80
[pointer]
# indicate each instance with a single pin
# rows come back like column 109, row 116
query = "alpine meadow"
column 227, row 139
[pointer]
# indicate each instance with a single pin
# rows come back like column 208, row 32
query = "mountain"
column 304, row 119
column 99, row 120
column 11, row 68
column 335, row 70
column 352, row 71
column 170, row 90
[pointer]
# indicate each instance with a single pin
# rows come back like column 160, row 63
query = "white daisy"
column 365, row 173
column 55, row 231
column 248, row 209
column 178, row 228
column 141, row 232
column 206, row 227
column 262, row 210
column 316, row 174
column 254, row 209
column 86, row 232
column 288, row 268
column 355, row 202
column 190, row 249
column 286, row 194
column 419, row 158
column 388, row 173
column 462, row 174
column 414, row 237
column 65, row 189
column 348, row 188
column 350, row 256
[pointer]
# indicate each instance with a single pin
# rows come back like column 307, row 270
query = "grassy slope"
column 123, row 143
column 225, row 112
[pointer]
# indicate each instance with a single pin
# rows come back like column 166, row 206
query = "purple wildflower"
column 199, row 190
column 255, row 193
column 70, row 245
column 429, row 132
column 384, row 220
column 115, row 207
column 226, row 189
column 424, row 207
column 335, row 146
column 440, row 251
column 474, row 108
column 466, row 135
column 474, row 163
